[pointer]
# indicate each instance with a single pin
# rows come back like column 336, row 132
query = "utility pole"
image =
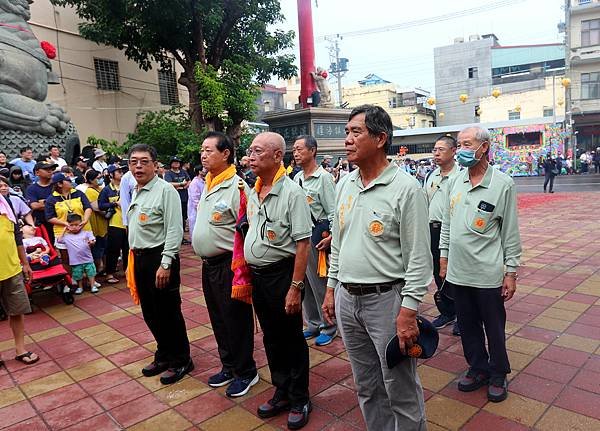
column 338, row 66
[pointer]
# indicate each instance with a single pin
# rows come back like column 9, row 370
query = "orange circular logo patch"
column 376, row 228
column 216, row 217
column 271, row 235
column 143, row 217
column 479, row 222
column 309, row 199
column 415, row 351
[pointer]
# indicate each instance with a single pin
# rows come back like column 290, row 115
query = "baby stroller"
column 52, row 275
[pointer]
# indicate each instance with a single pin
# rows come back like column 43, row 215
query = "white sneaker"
column 79, row 291
column 96, row 284
column 94, row 289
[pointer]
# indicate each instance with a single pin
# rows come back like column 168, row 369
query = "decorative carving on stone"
column 320, row 77
column 24, row 68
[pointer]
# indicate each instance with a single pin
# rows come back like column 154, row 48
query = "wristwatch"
column 298, row 285
column 165, row 266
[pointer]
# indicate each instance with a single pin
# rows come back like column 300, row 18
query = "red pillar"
column 307, row 51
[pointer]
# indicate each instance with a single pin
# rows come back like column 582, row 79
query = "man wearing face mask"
column 481, row 248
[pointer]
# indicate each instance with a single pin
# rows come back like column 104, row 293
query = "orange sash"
column 130, row 275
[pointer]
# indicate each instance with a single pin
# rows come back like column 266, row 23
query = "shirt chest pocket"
column 149, row 216
column 377, row 225
column 221, row 214
column 312, row 198
column 276, row 232
column 480, row 221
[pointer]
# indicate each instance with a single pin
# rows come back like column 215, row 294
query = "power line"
column 431, row 20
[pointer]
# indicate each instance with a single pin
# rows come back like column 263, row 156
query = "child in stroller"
column 36, row 247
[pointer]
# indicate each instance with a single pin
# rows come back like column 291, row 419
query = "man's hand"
column 509, row 286
column 328, row 306
column 443, row 267
column 162, row 277
column 406, row 328
column 27, row 272
column 324, row 243
column 293, row 301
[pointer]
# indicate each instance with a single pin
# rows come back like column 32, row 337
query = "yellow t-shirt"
column 11, row 265
column 97, row 221
column 117, row 219
column 59, row 207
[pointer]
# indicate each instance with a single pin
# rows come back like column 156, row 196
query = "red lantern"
column 49, row 49
column 324, row 74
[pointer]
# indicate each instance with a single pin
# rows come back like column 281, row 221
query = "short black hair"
column 2, row 152
column 377, row 121
column 309, row 142
column 224, row 142
column 143, row 148
column 53, row 146
column 73, row 217
column 197, row 169
column 447, row 139
column 23, row 149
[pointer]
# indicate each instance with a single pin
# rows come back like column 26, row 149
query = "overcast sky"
column 405, row 56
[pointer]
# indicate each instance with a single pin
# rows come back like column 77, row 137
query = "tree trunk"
column 188, row 80
column 235, row 132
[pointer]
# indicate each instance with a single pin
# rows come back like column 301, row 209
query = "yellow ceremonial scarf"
column 223, row 176
column 280, row 173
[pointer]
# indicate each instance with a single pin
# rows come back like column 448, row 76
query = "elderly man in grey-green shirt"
column 380, row 257
column 436, row 183
column 276, row 248
column 319, row 186
column 232, row 320
column 155, row 233
column 480, row 248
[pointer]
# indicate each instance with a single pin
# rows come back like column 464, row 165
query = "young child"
column 78, row 243
column 36, row 247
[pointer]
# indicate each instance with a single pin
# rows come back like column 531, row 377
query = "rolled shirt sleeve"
column 299, row 211
column 415, row 244
column 511, row 238
column 173, row 224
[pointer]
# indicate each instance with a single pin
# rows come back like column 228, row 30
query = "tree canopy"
column 226, row 48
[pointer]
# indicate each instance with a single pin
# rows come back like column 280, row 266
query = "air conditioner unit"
column 459, row 39
column 474, row 37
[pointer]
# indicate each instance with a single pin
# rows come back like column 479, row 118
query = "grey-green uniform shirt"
column 480, row 230
column 216, row 218
column 381, row 234
column 436, row 186
column 320, row 193
column 155, row 218
column 277, row 224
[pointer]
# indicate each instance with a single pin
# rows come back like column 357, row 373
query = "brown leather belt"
column 368, row 289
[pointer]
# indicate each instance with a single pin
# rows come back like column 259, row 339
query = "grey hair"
column 481, row 134
column 309, row 142
column 275, row 140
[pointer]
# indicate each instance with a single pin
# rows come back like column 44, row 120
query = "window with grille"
column 514, row 115
column 590, row 32
column 548, row 111
column 590, row 85
column 107, row 74
column 473, row 72
column 167, row 84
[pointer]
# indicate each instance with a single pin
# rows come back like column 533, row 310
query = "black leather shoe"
column 274, row 406
column 155, row 368
column 173, row 375
column 498, row 389
column 298, row 416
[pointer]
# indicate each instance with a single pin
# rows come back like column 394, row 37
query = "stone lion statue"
column 24, row 68
column 320, row 77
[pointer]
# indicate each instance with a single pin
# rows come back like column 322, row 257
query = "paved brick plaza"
column 89, row 376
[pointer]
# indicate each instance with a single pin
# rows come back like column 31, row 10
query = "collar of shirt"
column 222, row 185
column 485, row 181
column 438, row 171
column 384, row 178
column 316, row 174
column 150, row 183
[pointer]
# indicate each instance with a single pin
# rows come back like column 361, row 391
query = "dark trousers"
column 161, row 308
column 443, row 300
column 286, row 348
column 478, row 309
column 549, row 179
column 117, row 245
column 231, row 320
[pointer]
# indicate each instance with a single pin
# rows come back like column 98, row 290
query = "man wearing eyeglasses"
column 155, row 233
column 276, row 249
column 436, row 183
